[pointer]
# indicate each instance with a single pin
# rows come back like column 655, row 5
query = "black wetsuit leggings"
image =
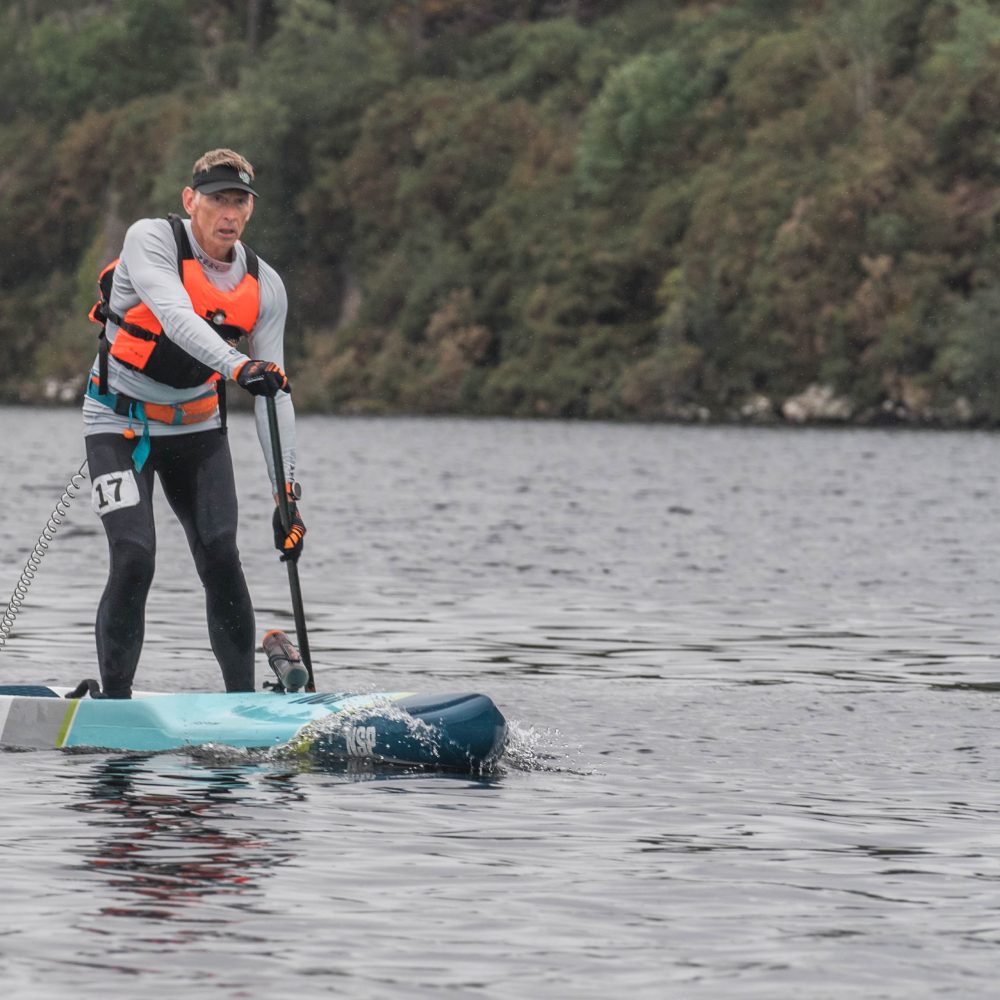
column 196, row 474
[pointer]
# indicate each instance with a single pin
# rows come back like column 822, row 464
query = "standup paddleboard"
column 455, row 731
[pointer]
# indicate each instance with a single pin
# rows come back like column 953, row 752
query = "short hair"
column 222, row 158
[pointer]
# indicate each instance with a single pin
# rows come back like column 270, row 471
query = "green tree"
column 641, row 120
column 99, row 59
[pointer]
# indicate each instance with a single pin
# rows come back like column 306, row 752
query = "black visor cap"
column 222, row 178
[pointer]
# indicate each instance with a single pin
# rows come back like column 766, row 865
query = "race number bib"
column 114, row 491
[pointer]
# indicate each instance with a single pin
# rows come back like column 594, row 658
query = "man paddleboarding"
column 174, row 306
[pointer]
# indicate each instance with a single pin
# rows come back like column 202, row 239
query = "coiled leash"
column 41, row 546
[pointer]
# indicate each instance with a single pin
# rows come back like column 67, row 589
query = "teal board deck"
column 458, row 731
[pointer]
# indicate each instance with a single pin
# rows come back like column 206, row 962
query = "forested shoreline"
column 755, row 210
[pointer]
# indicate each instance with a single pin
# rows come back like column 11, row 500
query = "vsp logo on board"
column 360, row 741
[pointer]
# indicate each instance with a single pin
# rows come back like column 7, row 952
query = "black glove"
column 261, row 378
column 289, row 543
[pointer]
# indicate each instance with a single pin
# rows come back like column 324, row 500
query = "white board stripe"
column 5, row 702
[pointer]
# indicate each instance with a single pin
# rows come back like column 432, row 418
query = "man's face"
column 218, row 219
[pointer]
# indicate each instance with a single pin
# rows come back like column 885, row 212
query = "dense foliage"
column 650, row 209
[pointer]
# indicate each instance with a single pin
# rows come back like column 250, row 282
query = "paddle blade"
column 285, row 661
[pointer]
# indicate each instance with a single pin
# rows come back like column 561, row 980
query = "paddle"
column 293, row 570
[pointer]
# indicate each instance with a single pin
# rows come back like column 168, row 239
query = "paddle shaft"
column 293, row 570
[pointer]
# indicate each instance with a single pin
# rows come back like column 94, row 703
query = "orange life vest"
column 141, row 343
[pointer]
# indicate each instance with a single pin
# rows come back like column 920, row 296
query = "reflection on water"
column 165, row 838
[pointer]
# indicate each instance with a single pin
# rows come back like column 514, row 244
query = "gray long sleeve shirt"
column 147, row 272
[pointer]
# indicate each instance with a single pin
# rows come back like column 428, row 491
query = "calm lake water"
column 752, row 682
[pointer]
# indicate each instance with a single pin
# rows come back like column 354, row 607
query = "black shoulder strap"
column 253, row 265
column 184, row 251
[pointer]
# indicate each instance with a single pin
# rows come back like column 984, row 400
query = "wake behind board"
column 455, row 731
